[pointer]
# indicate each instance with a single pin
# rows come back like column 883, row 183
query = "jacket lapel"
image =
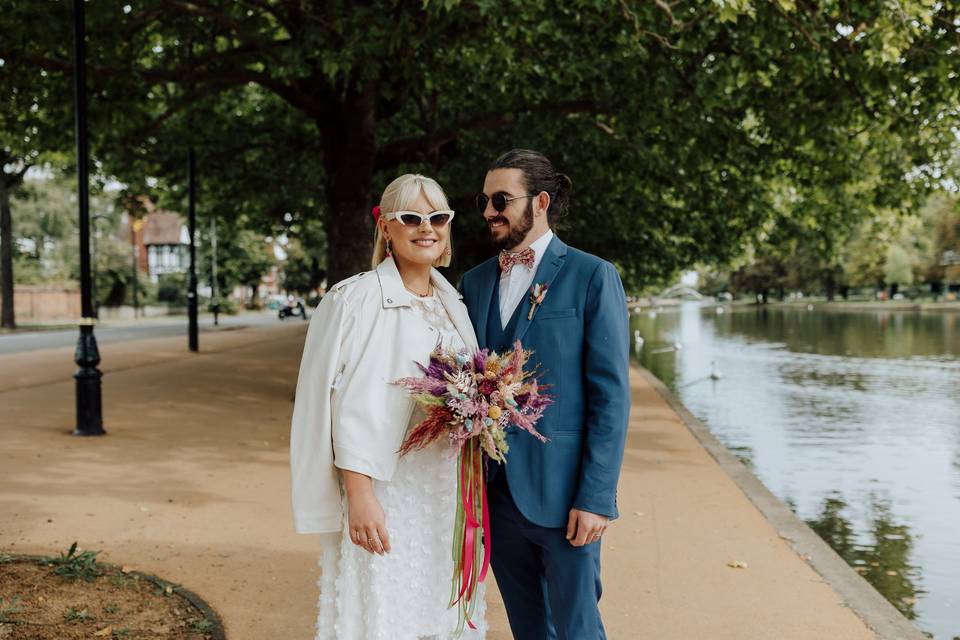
column 488, row 278
column 549, row 267
column 451, row 300
column 392, row 291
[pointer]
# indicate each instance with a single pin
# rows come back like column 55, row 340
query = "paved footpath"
column 192, row 484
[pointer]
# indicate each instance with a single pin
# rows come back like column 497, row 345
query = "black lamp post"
column 193, row 338
column 214, row 293
column 87, row 357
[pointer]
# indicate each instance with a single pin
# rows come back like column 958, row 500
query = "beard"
column 518, row 232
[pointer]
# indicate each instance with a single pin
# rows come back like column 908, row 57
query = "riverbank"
column 810, row 304
column 192, row 485
column 867, row 305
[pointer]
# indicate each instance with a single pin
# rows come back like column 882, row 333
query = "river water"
column 851, row 418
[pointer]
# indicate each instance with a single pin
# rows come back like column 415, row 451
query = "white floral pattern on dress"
column 405, row 594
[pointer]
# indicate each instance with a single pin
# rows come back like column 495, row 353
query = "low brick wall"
column 45, row 303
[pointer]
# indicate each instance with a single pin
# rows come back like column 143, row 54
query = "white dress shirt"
column 516, row 282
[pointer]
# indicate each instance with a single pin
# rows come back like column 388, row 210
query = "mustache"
column 497, row 219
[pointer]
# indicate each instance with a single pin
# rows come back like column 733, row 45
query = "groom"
column 550, row 503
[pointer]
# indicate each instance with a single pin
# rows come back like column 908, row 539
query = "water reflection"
column 876, row 334
column 884, row 559
column 852, row 418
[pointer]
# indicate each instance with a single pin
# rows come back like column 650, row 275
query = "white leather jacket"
column 347, row 414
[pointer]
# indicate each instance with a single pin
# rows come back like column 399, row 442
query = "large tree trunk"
column 6, row 258
column 315, row 275
column 830, row 285
column 347, row 133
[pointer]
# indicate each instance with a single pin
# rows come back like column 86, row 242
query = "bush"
column 172, row 289
column 227, row 306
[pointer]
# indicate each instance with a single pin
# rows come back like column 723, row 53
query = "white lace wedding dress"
column 403, row 595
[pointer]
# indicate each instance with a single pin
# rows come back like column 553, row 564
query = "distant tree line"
column 884, row 255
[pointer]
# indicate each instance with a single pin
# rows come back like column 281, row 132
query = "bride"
column 387, row 522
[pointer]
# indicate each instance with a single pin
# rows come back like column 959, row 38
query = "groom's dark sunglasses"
column 500, row 200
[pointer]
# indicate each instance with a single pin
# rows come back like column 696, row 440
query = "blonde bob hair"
column 401, row 194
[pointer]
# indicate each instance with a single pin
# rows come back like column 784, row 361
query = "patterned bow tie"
column 525, row 257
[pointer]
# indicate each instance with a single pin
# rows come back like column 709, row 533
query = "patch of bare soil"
column 75, row 597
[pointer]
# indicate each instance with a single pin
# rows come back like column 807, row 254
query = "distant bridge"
column 683, row 291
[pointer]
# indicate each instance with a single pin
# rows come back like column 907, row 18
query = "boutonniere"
column 537, row 293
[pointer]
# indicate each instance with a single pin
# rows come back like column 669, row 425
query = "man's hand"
column 584, row 527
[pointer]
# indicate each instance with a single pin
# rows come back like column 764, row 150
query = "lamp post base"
column 88, row 376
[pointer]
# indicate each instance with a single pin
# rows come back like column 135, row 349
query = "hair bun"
column 539, row 175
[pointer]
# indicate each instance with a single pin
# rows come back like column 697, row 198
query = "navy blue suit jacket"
column 580, row 339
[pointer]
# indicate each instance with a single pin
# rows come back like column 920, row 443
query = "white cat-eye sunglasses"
column 437, row 219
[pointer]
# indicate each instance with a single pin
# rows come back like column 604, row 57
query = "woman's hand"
column 368, row 523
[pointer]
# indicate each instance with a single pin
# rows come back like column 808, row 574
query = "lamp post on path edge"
column 87, row 356
column 193, row 341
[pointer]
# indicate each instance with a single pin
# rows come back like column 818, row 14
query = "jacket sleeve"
column 607, row 371
column 314, row 481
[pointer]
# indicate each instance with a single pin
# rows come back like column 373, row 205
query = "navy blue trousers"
column 550, row 588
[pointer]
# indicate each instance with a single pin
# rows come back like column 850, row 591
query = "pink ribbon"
column 470, row 535
column 487, row 546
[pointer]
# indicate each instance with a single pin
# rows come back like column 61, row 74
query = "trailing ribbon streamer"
column 470, row 561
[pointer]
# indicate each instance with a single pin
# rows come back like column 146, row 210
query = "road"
column 126, row 330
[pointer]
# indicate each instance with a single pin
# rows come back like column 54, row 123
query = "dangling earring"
column 449, row 251
column 388, row 251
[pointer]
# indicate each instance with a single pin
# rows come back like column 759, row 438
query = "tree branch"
column 212, row 78
column 288, row 20
column 219, row 16
column 632, row 18
column 663, row 6
column 796, row 23
column 422, row 147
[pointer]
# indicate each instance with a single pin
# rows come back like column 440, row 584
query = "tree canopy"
column 688, row 128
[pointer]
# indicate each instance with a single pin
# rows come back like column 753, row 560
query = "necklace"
column 422, row 295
